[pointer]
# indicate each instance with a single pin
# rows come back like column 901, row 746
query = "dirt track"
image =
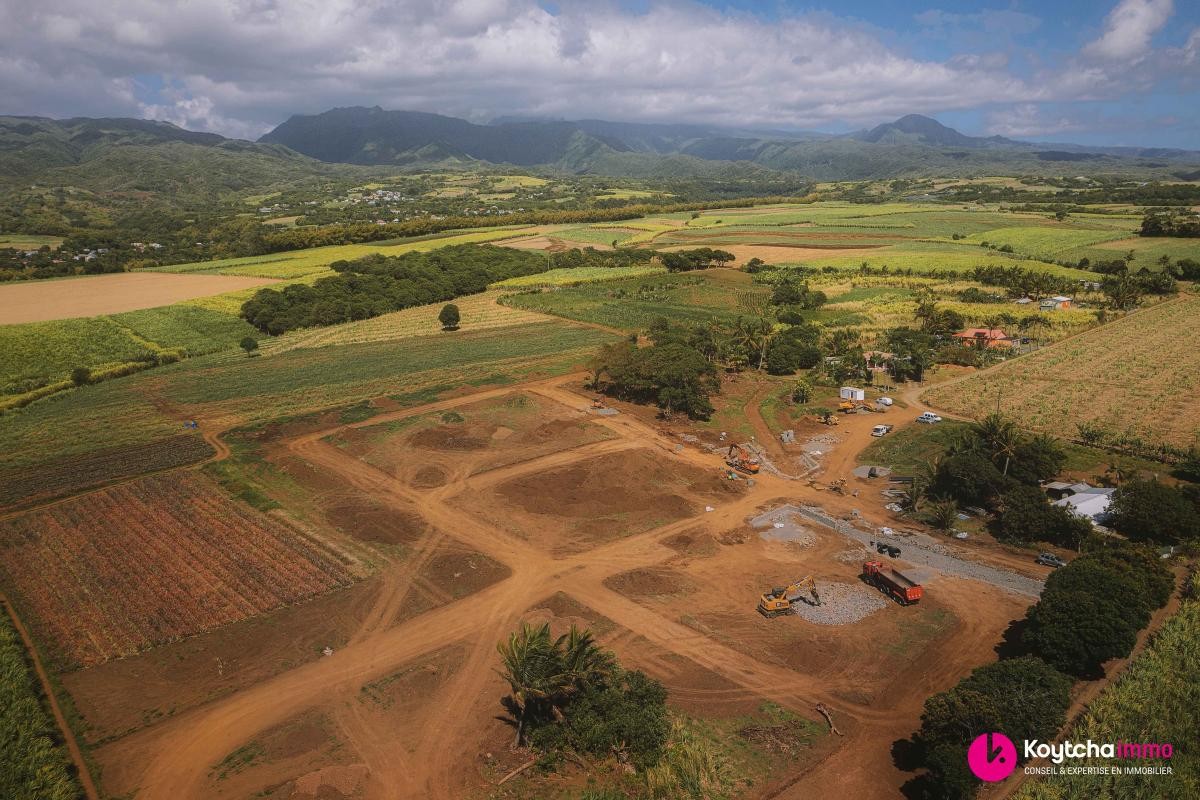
column 174, row 759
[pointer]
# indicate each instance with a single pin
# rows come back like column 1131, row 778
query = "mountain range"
column 142, row 155
column 913, row 144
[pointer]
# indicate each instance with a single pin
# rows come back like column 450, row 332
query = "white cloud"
column 242, row 66
column 1129, row 29
column 1028, row 119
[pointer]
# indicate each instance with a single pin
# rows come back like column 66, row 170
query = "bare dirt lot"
column 92, row 295
column 470, row 533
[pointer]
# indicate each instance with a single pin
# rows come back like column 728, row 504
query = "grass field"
column 1137, row 376
column 302, row 263
column 479, row 312
column 28, row 241
column 632, row 304
column 48, row 351
column 1044, row 242
column 123, row 412
column 578, row 276
column 1155, row 700
column 924, row 257
column 1146, row 250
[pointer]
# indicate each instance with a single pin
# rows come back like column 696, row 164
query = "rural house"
column 984, row 338
column 1091, row 503
column 1056, row 303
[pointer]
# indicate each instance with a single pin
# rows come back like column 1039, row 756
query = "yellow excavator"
column 778, row 601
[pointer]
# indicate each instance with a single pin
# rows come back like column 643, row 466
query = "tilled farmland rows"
column 155, row 560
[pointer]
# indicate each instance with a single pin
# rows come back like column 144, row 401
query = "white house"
column 1091, row 503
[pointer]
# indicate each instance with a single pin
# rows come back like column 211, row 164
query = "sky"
column 1101, row 72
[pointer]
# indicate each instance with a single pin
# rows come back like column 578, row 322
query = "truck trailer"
column 902, row 589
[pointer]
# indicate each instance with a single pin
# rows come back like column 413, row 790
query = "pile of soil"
column 650, row 582
column 428, row 478
column 451, row 437
column 694, row 543
column 368, row 521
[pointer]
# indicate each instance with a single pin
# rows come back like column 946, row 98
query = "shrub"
column 1024, row 698
column 1149, row 511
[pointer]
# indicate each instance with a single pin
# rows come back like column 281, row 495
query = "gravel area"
column 782, row 525
column 925, row 551
column 841, row 603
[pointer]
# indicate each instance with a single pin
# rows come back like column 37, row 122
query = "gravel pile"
column 854, row 556
column 841, row 604
column 782, row 525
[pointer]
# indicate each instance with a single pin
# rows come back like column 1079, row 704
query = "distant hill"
column 912, row 145
column 135, row 155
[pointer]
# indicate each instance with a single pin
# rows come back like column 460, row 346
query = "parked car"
column 1050, row 560
column 884, row 401
column 881, row 430
column 883, row 548
column 929, row 418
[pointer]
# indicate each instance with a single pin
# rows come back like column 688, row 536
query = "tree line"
column 1090, row 611
column 379, row 284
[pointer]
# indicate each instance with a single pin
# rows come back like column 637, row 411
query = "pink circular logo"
column 992, row 757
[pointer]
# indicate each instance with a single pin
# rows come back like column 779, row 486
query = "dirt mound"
column 650, row 582
column 450, row 437
column 460, row 573
column 694, row 543
column 428, row 478
column 554, row 429
column 368, row 521
column 601, row 487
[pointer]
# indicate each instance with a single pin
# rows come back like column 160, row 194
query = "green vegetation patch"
column 189, row 328
column 35, row 353
column 33, row 761
column 1156, row 700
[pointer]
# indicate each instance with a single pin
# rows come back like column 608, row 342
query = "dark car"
column 886, row 549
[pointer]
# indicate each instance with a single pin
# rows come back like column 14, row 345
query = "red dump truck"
column 904, row 590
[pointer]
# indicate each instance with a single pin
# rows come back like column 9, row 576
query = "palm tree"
column 943, row 514
column 584, row 663
column 532, row 666
column 1000, row 435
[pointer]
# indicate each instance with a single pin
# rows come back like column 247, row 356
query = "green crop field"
column 35, row 352
column 923, row 257
column 577, row 276
column 1146, row 251
column 595, row 235
column 302, row 263
column 634, row 303
column 194, row 330
column 1043, row 242
column 124, row 412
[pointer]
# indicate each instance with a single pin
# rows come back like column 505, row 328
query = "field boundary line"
column 73, row 750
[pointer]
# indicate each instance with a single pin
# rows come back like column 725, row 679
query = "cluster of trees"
column 1024, row 698
column 670, row 372
column 568, row 694
column 995, row 465
column 1171, row 223
column 699, row 258
column 1090, row 611
column 576, row 258
column 792, row 294
column 378, row 284
column 1150, row 511
column 33, row 763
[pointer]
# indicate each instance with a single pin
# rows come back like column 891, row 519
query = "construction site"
column 736, row 573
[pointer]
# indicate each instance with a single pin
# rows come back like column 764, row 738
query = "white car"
column 929, row 418
column 884, row 401
column 881, row 430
